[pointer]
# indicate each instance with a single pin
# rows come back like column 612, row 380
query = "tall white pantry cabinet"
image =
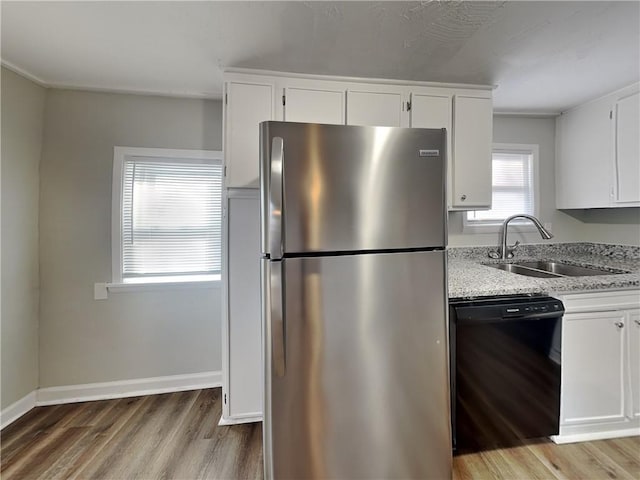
column 251, row 97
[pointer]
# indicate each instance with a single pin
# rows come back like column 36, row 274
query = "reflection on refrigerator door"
column 364, row 393
column 354, row 302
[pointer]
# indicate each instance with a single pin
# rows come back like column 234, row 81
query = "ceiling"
column 544, row 57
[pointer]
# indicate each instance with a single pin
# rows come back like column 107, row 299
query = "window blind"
column 512, row 184
column 171, row 217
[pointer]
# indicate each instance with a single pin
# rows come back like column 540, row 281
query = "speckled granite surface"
column 468, row 277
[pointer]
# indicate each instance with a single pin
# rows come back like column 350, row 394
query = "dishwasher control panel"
column 506, row 308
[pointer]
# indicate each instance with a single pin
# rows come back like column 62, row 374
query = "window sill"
column 149, row 285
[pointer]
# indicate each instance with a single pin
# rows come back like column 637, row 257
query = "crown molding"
column 124, row 91
column 23, row 73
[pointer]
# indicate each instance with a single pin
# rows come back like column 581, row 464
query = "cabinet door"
column 434, row 111
column 375, row 108
column 593, row 357
column 431, row 111
column 314, row 105
column 471, row 161
column 628, row 149
column 584, row 156
column 633, row 334
column 244, row 329
column 248, row 104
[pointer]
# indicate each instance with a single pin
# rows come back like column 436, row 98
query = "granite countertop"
column 468, row 277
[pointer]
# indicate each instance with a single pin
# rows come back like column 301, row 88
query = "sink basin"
column 544, row 269
column 513, row 268
column 565, row 269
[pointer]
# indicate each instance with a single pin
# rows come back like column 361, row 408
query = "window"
column 514, row 183
column 167, row 215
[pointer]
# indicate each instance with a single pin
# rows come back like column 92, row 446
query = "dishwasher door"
column 505, row 364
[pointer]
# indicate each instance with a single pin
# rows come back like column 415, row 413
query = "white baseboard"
column 17, row 409
column 127, row 388
column 591, row 436
column 248, row 418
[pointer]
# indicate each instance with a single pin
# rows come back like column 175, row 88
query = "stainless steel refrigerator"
column 354, row 302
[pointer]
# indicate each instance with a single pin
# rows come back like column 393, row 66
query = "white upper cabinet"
column 471, row 155
column 583, row 146
column 376, row 106
column 247, row 104
column 627, row 156
column 430, row 111
column 466, row 114
column 314, row 105
column 434, row 110
column 251, row 98
column 597, row 153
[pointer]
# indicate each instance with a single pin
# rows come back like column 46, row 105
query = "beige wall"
column 540, row 131
column 133, row 334
column 22, row 113
column 610, row 225
column 154, row 333
column 614, row 225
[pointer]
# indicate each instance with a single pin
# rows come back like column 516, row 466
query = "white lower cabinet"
column 242, row 329
column 600, row 373
column 593, row 355
column 633, row 347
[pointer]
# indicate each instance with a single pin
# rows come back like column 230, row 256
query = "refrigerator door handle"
column 275, row 200
column 277, row 319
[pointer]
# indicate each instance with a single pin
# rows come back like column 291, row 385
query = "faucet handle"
column 512, row 248
column 494, row 254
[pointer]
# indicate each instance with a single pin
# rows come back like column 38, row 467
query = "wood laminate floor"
column 175, row 436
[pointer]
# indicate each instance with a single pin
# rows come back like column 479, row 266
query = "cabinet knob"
column 637, row 322
column 619, row 324
column 463, row 198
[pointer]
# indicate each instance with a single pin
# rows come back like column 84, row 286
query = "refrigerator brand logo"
column 429, row 153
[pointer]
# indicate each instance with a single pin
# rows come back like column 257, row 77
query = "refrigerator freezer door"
column 365, row 393
column 350, row 188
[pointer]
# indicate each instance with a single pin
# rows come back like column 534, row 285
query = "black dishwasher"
column 505, row 370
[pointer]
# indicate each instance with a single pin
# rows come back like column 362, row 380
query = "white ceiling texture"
column 544, row 57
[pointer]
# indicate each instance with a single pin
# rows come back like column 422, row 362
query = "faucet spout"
column 506, row 251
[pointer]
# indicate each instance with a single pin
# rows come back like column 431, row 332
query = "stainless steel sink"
column 544, row 269
column 513, row 268
column 565, row 269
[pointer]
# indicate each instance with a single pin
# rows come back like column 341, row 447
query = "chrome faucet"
column 506, row 251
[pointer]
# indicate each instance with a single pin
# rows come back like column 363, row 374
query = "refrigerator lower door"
column 358, row 378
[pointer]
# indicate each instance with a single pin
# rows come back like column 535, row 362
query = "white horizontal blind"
column 171, row 217
column 512, row 184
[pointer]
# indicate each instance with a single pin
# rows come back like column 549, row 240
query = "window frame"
column 470, row 226
column 119, row 155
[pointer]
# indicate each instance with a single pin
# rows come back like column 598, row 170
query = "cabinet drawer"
column 601, row 301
